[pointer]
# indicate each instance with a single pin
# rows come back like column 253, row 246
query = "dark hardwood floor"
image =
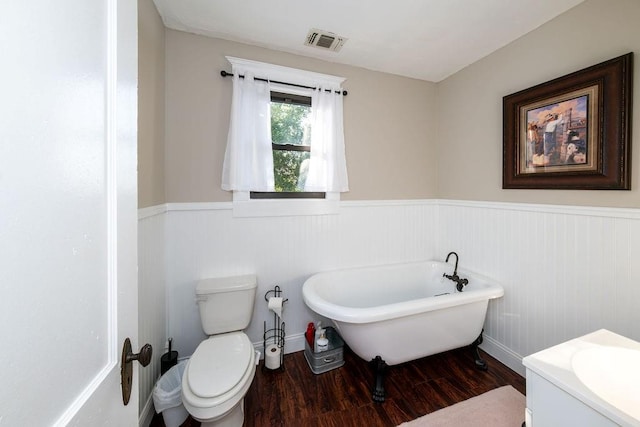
column 342, row 397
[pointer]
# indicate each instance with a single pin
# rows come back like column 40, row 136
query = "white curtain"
column 327, row 164
column 248, row 160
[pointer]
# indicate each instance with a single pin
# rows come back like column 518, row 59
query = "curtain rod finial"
column 223, row 73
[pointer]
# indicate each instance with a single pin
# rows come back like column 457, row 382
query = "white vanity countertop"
column 611, row 393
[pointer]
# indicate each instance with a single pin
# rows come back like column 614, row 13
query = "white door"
column 68, row 286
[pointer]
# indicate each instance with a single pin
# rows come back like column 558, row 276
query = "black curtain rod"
column 223, row 73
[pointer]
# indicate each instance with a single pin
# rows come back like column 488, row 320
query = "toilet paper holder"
column 274, row 336
column 275, row 292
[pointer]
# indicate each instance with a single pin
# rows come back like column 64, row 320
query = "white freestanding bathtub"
column 397, row 313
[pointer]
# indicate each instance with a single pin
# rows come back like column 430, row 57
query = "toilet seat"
column 224, row 358
column 218, row 375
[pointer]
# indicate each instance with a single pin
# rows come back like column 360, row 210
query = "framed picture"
column 573, row 132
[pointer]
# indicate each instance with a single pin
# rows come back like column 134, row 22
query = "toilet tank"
column 226, row 303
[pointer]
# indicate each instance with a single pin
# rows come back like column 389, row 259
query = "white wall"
column 152, row 319
column 566, row 270
column 180, row 244
column 204, row 240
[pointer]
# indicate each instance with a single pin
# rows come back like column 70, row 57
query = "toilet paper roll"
column 275, row 305
column 272, row 356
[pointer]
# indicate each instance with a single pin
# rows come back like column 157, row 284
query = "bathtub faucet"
column 460, row 283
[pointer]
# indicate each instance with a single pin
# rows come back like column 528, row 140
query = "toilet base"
column 233, row 418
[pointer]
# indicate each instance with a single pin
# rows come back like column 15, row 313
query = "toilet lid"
column 218, row 364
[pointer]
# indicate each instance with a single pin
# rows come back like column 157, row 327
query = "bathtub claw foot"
column 481, row 364
column 380, row 367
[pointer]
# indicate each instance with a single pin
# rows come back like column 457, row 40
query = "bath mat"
column 500, row 407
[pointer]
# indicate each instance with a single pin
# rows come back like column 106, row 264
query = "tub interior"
column 372, row 287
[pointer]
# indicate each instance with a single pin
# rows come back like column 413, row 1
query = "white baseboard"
column 147, row 413
column 503, row 354
column 512, row 360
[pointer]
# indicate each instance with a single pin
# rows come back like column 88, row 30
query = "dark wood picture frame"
column 573, row 132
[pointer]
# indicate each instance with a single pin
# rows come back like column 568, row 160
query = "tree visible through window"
column 291, row 144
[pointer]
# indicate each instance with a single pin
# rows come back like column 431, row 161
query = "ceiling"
column 423, row 39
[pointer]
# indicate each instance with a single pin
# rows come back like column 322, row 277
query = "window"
column 291, row 147
column 295, row 163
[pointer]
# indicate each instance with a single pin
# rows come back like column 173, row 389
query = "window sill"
column 244, row 207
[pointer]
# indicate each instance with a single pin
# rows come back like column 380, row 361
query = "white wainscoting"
column 152, row 324
column 207, row 241
column 566, row 270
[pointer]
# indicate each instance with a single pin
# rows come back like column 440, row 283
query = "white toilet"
column 220, row 371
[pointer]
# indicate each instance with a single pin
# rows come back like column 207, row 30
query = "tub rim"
column 340, row 313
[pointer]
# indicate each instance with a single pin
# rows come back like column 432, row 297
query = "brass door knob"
column 126, row 369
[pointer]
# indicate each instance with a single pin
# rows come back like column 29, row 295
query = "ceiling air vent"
column 324, row 40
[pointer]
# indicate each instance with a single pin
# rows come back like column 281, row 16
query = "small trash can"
column 167, row 396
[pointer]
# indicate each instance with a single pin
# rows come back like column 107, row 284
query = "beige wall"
column 390, row 122
column 151, row 106
column 470, row 102
column 405, row 138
